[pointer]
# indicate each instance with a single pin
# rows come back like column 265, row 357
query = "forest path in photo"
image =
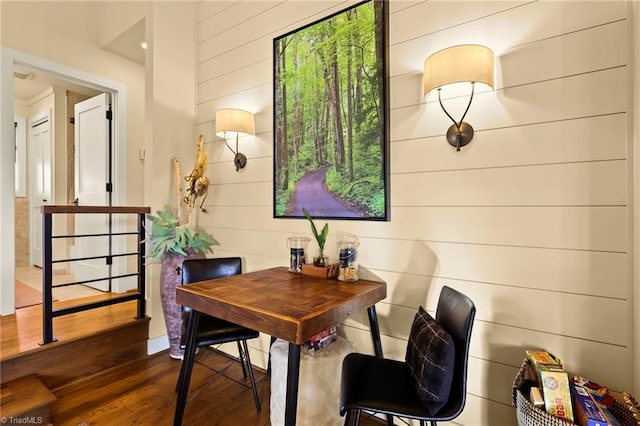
column 311, row 193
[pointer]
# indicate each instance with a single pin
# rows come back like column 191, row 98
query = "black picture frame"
column 330, row 117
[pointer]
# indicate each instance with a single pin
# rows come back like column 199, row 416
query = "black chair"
column 387, row 386
column 211, row 330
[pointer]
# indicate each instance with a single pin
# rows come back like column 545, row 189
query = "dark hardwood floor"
column 142, row 393
column 98, row 381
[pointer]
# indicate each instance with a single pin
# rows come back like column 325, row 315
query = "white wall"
column 170, row 116
column 68, row 33
column 532, row 220
column 64, row 35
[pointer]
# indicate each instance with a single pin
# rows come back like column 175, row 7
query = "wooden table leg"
column 375, row 331
column 293, row 376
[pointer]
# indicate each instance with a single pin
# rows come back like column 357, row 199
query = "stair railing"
column 48, row 313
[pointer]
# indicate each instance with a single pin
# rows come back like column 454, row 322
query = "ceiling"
column 28, row 83
column 128, row 43
column 37, row 82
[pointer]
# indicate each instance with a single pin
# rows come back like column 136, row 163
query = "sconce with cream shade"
column 470, row 63
column 235, row 121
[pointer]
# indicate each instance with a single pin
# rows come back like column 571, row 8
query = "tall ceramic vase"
column 170, row 278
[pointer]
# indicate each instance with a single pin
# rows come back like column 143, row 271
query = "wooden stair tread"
column 24, row 395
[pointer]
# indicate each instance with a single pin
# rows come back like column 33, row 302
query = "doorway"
column 11, row 59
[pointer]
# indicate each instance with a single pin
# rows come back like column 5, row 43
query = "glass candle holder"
column 348, row 259
column 297, row 247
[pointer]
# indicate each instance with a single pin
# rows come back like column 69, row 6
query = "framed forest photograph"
column 330, row 117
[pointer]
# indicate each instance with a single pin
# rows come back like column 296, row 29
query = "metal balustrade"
column 48, row 313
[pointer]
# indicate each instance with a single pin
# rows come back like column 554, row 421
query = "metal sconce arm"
column 460, row 133
column 240, row 160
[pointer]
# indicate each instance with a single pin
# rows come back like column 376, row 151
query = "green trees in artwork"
column 329, row 110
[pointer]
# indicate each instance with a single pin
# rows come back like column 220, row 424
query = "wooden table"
column 290, row 306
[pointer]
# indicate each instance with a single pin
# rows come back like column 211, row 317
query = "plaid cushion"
column 430, row 357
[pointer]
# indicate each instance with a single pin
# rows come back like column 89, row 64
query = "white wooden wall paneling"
column 254, row 99
column 569, row 271
column 250, row 48
column 506, row 344
column 254, row 75
column 482, row 411
column 239, row 57
column 577, row 140
column 221, row 18
column 247, row 49
column 593, row 183
column 578, row 228
column 592, row 50
column 539, row 247
column 271, row 22
column 586, row 95
column 225, row 172
column 428, row 17
column 254, row 194
column 524, row 308
column 206, row 9
column 260, row 144
column 515, row 26
column 254, row 146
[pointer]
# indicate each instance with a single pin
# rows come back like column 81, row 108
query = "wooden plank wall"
column 530, row 220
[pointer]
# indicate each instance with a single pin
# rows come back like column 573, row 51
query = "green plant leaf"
column 169, row 237
column 321, row 238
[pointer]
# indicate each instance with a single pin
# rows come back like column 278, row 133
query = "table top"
column 280, row 303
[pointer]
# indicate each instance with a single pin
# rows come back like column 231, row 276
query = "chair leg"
column 273, row 340
column 240, row 355
column 185, row 377
column 347, row 418
column 356, row 418
column 254, row 389
column 433, row 423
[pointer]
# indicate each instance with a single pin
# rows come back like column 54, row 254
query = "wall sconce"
column 230, row 121
column 466, row 63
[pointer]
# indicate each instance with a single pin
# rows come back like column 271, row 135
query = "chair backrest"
column 455, row 313
column 194, row 270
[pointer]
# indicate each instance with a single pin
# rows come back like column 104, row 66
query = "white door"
column 40, row 180
column 91, row 128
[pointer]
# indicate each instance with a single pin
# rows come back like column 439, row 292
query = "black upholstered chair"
column 387, row 386
column 211, row 330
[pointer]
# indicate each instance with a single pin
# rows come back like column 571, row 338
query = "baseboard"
column 157, row 344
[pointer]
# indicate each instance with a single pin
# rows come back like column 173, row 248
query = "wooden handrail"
column 95, row 209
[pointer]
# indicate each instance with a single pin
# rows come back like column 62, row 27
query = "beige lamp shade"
column 465, row 63
column 234, row 120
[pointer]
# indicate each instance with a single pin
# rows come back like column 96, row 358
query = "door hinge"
column 109, row 115
column 109, row 187
column 72, row 120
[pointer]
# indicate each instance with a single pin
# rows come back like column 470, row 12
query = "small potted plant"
column 321, row 239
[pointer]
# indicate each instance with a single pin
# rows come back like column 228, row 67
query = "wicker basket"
column 528, row 415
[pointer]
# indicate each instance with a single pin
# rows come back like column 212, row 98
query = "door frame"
column 39, row 118
column 8, row 59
